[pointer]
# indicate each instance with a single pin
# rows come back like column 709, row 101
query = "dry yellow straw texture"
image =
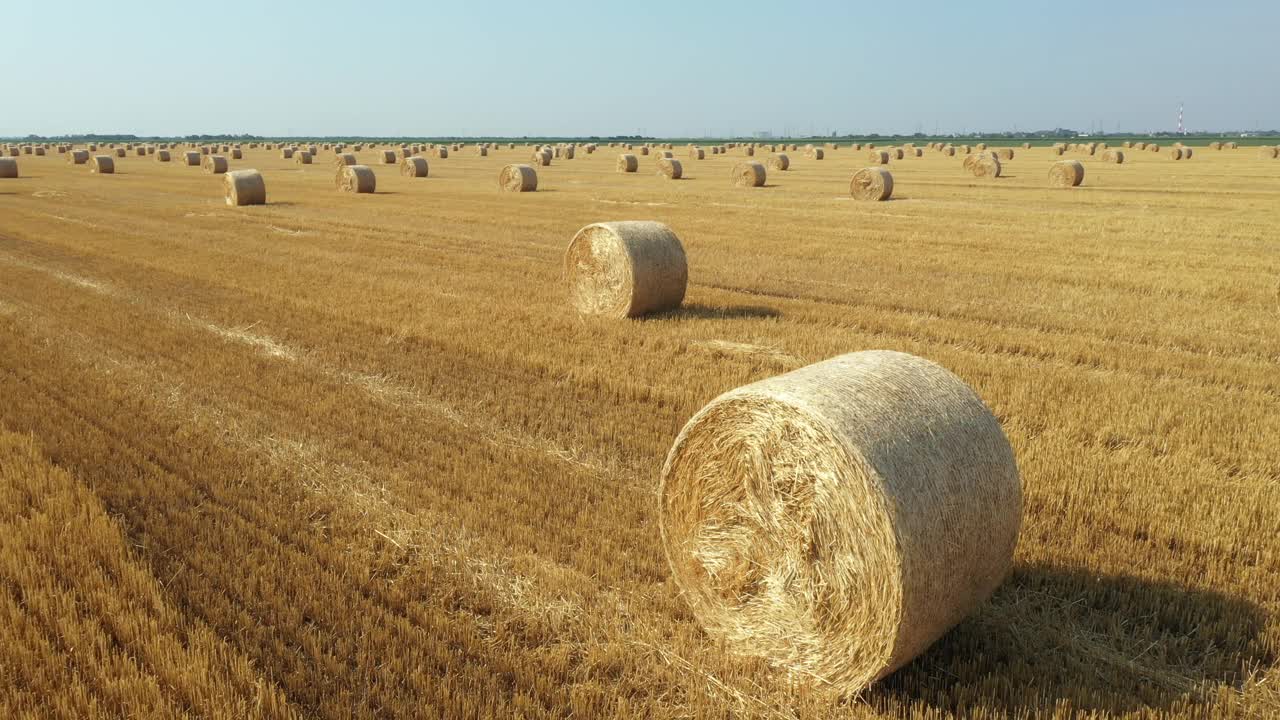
column 1113, row 156
column 237, row 154
column 191, row 158
column 1175, row 153
column 873, row 183
column 628, row 163
column 8, row 168
column 303, row 157
column 102, row 164
column 78, row 157
column 163, row 156
column 779, row 162
column 838, row 519
column 983, row 165
column 670, row 168
column 414, row 166
column 878, row 157
column 518, row 178
column 697, row 153
column 355, row 179
column 388, row 157
column 344, row 159
column 749, row 174
column 625, row 269
column 541, row 158
column 214, row 164
column 1066, row 174
column 1005, row 153
column 244, row 187
column 120, row 152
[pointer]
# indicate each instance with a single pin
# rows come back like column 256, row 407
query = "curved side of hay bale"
column 749, row 174
column 344, row 159
column 670, row 168
column 1113, row 156
column 541, row 158
column 1055, row 150
column 1005, row 153
column 414, row 166
column 625, row 269
column 518, row 178
column 286, row 153
column 983, row 165
column 191, row 158
column 8, row 168
column 482, row 151
column 878, row 157
column 697, row 153
column 163, row 156
column 749, row 151
column 948, row 151
column 838, row 519
column 1175, row 153
column 303, row 157
column 237, row 154
column 1066, row 174
column 389, row 157
column 244, row 187
column 356, row 179
column 874, row 184
column 214, row 164
column 102, row 164
column 1187, row 153
column 628, row 163
column 120, row 152
column 779, row 161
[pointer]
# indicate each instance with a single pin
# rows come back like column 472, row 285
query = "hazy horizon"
column 574, row 69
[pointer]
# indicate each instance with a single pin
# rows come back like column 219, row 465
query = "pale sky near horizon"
column 659, row 68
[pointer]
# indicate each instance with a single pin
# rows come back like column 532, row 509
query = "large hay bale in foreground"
column 873, row 183
column 102, row 164
column 355, row 179
column 1066, row 174
column 414, row 166
column 670, row 168
column 244, row 187
column 1113, row 156
column 749, row 174
column 628, row 163
column 625, row 269
column 838, row 519
column 214, row 164
column 518, row 178
column 779, row 161
column 8, row 168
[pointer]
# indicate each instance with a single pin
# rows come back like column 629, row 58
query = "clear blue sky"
column 414, row 67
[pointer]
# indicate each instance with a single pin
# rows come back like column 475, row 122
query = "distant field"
column 354, row 456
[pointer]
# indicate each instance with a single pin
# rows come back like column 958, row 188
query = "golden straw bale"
column 878, row 157
column 162, row 156
column 627, row 163
column 873, row 183
column 1113, row 156
column 214, row 164
column 355, row 179
column 303, row 157
column 102, row 164
column 780, row 161
column 8, row 167
column 414, row 166
column 749, row 174
column 1066, row 174
column 625, row 269
column 670, row 168
column 244, row 187
column 518, row 178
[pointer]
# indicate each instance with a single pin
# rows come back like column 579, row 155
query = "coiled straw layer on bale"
column 388, row 157
column 1269, row 153
column 628, row 163
column 697, row 153
column 518, row 178
column 1175, row 153
column 414, row 166
column 1005, row 153
column 355, row 179
column 78, row 157
column 1113, row 156
column 303, row 157
column 779, row 162
column 749, row 174
column 625, row 269
column 214, row 164
column 838, row 519
column 344, row 159
column 670, row 168
column 878, row 157
column 1066, row 174
column 191, row 158
column 244, row 187
column 873, row 183
column 8, row 168
column 541, row 158
column 102, row 164
column 983, row 165
column 814, row 153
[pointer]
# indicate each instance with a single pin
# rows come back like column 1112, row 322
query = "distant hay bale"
column 878, row 157
column 670, row 168
column 838, row 519
column 779, row 162
column 981, row 146
column 627, row 163
column 1215, row 146
column 140, row 151
column 1126, row 144
column 518, row 178
column 697, row 153
column 983, row 165
column 1026, row 146
column 749, row 151
column 541, row 158
column 355, row 179
column 665, row 154
column 286, row 153
column 1269, row 153
column 102, row 164
column 749, row 174
column 1175, row 153
column 121, row 152
column 162, row 156
column 215, row 164
column 344, row 159
column 8, row 167
column 644, row 149
column 78, row 157
column 873, row 183
column 389, row 157
column 237, row 154
column 1055, row 150
column 1113, row 156
column 414, row 166
column 303, row 157
column 1153, row 147
column 1232, row 145
column 625, row 269
column 1139, row 146
column 1187, row 153
column 949, row 151
column 569, row 152
column 1066, row 174
column 482, row 151
column 896, row 153
column 191, row 158
column 1005, row 153
column 814, row 153
column 244, row 187
column 441, row 152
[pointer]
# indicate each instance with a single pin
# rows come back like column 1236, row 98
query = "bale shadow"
column 1100, row 643
column 698, row 311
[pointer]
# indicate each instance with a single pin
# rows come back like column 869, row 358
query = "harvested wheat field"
column 358, row 455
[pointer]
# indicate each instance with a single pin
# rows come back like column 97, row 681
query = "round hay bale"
column 625, row 269
column 749, row 151
column 666, row 154
column 120, row 152
column 1113, row 156
column 302, row 157
column 344, row 159
column 414, row 166
column 779, row 161
column 1269, row 153
column 815, row 154
column 569, row 151
column 8, row 168
column 244, row 187
column 628, row 163
column 389, row 157
column 1066, row 174
column 1215, row 146
column 102, row 164
column 1187, row 153
column 983, row 165
column 191, row 158
column 286, row 153
column 237, row 154
column 442, row 152
column 1055, row 150
column 878, row 157
column 1232, row 145
column 140, row 151
column 644, row 149
column 541, row 158
column 163, row 156
column 518, row 178
column 838, row 519
column 1175, row 153
column 215, row 164
column 948, row 151
column 1153, row 147
column 1005, row 153
column 1139, row 146
column 697, row 153
column 670, row 168
column 355, row 179
column 78, row 157
column 482, row 151
column 749, row 174
column 1026, row 146
column 873, row 183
